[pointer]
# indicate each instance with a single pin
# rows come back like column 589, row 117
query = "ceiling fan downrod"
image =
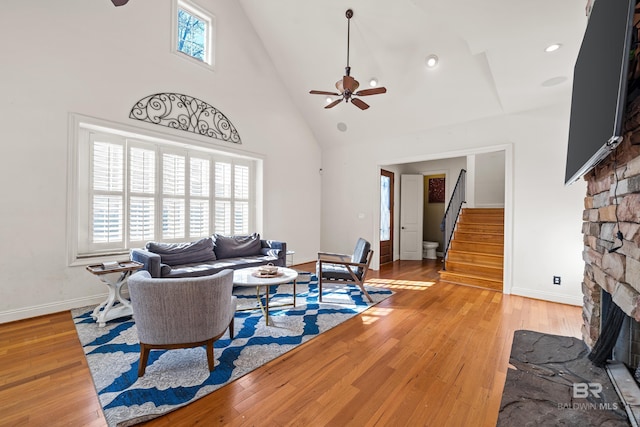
column 349, row 15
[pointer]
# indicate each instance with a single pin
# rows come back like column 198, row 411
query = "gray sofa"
column 209, row 255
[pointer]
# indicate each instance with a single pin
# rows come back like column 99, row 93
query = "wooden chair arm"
column 328, row 257
column 345, row 263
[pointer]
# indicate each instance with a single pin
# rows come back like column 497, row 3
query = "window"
column 193, row 32
column 131, row 189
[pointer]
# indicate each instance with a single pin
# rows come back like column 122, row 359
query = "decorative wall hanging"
column 187, row 113
column 436, row 190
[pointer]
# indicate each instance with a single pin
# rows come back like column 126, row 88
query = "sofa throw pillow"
column 237, row 246
column 185, row 252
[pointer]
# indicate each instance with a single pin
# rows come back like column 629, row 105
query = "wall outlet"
column 556, row 280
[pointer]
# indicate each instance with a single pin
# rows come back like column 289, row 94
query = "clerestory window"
column 193, row 32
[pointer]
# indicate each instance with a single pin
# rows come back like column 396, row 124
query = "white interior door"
column 411, row 199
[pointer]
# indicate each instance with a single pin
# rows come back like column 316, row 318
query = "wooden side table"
column 115, row 278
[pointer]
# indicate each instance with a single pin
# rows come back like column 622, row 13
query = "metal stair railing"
column 452, row 213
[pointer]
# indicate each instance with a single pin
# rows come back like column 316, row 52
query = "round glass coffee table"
column 249, row 277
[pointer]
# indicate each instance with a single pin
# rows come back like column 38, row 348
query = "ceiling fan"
column 347, row 86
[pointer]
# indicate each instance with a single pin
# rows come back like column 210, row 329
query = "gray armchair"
column 181, row 313
column 342, row 268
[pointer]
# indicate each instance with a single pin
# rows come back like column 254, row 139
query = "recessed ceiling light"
column 553, row 47
column 373, row 82
column 342, row 127
column 431, row 61
column 329, row 100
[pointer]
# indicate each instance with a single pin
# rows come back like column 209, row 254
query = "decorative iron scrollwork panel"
column 186, row 113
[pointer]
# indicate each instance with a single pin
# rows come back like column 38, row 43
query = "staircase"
column 475, row 254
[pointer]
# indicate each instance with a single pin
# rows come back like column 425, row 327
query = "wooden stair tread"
column 458, row 251
column 469, row 275
column 481, row 258
column 483, row 209
column 485, row 271
column 480, row 232
column 463, row 263
column 470, row 279
column 476, row 251
column 479, row 243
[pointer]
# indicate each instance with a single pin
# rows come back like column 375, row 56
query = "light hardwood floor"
column 433, row 354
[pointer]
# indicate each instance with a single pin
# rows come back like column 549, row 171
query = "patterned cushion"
column 237, row 246
column 184, row 253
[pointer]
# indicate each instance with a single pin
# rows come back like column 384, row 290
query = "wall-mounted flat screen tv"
column 598, row 100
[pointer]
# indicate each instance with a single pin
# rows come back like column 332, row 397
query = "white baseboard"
column 56, row 307
column 548, row 296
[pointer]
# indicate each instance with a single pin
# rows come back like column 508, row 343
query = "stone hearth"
column 547, row 385
column 612, row 205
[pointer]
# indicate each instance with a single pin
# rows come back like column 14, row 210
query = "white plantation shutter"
column 107, row 188
column 223, row 180
column 241, row 200
column 142, row 168
column 173, row 174
column 108, row 213
column 241, row 218
column 199, row 201
column 173, row 208
column 232, row 198
column 108, row 166
column 199, row 177
column 134, row 189
column 173, row 219
column 222, row 183
column 241, row 182
column 199, row 218
column 141, row 219
column 222, row 220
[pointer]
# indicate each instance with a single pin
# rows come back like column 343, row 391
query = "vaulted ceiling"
column 492, row 59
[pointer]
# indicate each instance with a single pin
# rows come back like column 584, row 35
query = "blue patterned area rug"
column 175, row 378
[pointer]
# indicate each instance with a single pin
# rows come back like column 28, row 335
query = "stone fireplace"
column 611, row 231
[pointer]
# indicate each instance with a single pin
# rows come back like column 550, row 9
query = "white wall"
column 450, row 167
column 546, row 216
column 91, row 58
column 489, row 180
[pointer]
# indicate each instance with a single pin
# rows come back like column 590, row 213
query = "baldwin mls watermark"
column 585, row 391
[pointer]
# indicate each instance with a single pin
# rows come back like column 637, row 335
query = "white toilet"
column 429, row 250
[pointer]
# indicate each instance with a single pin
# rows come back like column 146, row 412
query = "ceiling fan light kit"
column 347, row 86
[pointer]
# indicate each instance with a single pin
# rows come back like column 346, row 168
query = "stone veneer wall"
column 610, row 202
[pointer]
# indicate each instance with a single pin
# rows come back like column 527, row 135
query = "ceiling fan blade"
column 359, row 103
column 349, row 83
column 374, row 91
column 322, row 92
column 334, row 103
